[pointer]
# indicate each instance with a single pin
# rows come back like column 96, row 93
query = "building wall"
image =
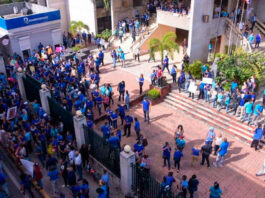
column 260, row 9
column 85, row 11
column 62, row 6
column 158, row 33
column 200, row 32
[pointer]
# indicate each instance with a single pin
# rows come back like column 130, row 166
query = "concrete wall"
column 260, row 9
column 62, row 5
column 199, row 34
column 173, row 20
column 158, row 33
column 85, row 11
column 8, row 8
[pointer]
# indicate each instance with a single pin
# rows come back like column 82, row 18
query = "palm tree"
column 77, row 26
column 168, row 43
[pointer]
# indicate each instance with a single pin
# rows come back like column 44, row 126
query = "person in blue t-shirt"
column 141, row 83
column 166, row 154
column 215, row 191
column 114, row 141
column 128, row 122
column 177, row 157
column 165, row 64
column 138, row 148
column 257, row 113
column 121, row 90
column 258, row 133
column 101, row 57
column 99, row 103
column 114, row 119
column 201, row 94
column 248, row 111
column 121, row 111
column 137, row 128
column 105, row 129
column 221, row 154
column 174, row 73
column 146, row 109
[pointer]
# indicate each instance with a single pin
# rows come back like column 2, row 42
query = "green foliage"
column 107, row 5
column 240, row 66
column 167, row 43
column 106, row 34
column 196, row 69
column 233, row 48
column 77, row 26
column 153, row 94
column 76, row 48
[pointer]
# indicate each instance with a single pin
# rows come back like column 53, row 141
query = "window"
column 100, row 3
column 137, row 3
column 104, row 23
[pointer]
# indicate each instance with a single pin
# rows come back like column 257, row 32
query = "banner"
column 192, row 87
column 207, row 80
column 11, row 113
column 28, row 165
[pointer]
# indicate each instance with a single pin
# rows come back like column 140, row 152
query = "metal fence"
column 32, row 88
column 59, row 113
column 102, row 151
column 145, row 186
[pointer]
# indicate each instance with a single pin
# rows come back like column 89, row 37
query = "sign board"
column 11, row 113
column 33, row 19
column 28, row 165
column 192, row 87
column 207, row 80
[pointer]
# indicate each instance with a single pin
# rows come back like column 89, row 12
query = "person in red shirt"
column 159, row 76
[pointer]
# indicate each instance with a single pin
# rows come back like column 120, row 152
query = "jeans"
column 255, row 144
column 240, row 111
column 138, row 133
column 214, row 102
column 187, row 84
column 256, row 119
column 99, row 109
column 141, row 89
column 219, row 160
column 127, row 105
column 167, row 161
column 114, row 124
column 54, row 186
column 205, row 157
column 80, row 173
column 174, row 77
column 121, row 96
column 127, row 127
column 177, row 162
column 114, row 62
column 247, row 117
column 206, row 96
column 166, row 66
column 159, row 82
column 146, row 116
column 201, row 94
column 40, row 183
column 226, row 108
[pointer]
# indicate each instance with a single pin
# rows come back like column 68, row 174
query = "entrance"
column 26, row 53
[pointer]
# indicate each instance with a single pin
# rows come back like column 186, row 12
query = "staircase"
column 225, row 122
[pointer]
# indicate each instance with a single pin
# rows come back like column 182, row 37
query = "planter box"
column 163, row 90
column 156, row 101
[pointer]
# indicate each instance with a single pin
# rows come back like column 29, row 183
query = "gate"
column 102, row 151
column 32, row 88
column 59, row 113
column 145, row 186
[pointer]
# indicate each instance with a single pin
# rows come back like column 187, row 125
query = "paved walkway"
column 241, row 162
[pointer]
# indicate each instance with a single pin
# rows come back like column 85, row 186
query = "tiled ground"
column 237, row 178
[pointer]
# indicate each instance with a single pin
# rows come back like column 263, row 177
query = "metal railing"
column 102, row 151
column 32, row 88
column 145, row 186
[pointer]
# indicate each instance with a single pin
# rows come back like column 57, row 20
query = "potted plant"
column 154, row 96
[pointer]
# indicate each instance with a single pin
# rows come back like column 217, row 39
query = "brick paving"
column 241, row 163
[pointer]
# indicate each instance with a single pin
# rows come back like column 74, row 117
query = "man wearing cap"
column 146, row 109
column 206, row 151
column 221, row 154
column 210, row 135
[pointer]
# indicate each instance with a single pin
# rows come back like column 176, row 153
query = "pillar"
column 2, row 66
column 79, row 122
column 20, row 74
column 44, row 94
column 112, row 13
column 126, row 160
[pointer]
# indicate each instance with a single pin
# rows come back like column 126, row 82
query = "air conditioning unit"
column 205, row 18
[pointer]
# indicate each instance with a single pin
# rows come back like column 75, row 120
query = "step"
column 211, row 110
column 212, row 117
column 203, row 118
column 237, row 135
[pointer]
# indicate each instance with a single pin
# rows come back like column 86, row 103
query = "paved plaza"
column 237, row 178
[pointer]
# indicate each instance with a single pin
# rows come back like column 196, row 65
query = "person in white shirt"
column 78, row 164
column 71, row 156
column 218, row 142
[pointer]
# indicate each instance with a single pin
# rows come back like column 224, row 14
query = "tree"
column 77, row 26
column 168, row 43
column 240, row 66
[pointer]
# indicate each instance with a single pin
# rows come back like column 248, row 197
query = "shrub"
column 195, row 69
column 106, row 34
column 153, row 94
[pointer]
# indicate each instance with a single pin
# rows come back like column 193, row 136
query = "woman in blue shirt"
column 215, row 191
column 141, row 83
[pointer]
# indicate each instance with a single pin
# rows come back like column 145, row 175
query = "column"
column 2, row 66
column 44, row 94
column 127, row 157
column 112, row 13
column 79, row 122
column 20, row 74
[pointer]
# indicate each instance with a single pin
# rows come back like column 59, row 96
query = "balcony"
column 173, row 20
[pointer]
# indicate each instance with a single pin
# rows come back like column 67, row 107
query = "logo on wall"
column 26, row 20
column 5, row 42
